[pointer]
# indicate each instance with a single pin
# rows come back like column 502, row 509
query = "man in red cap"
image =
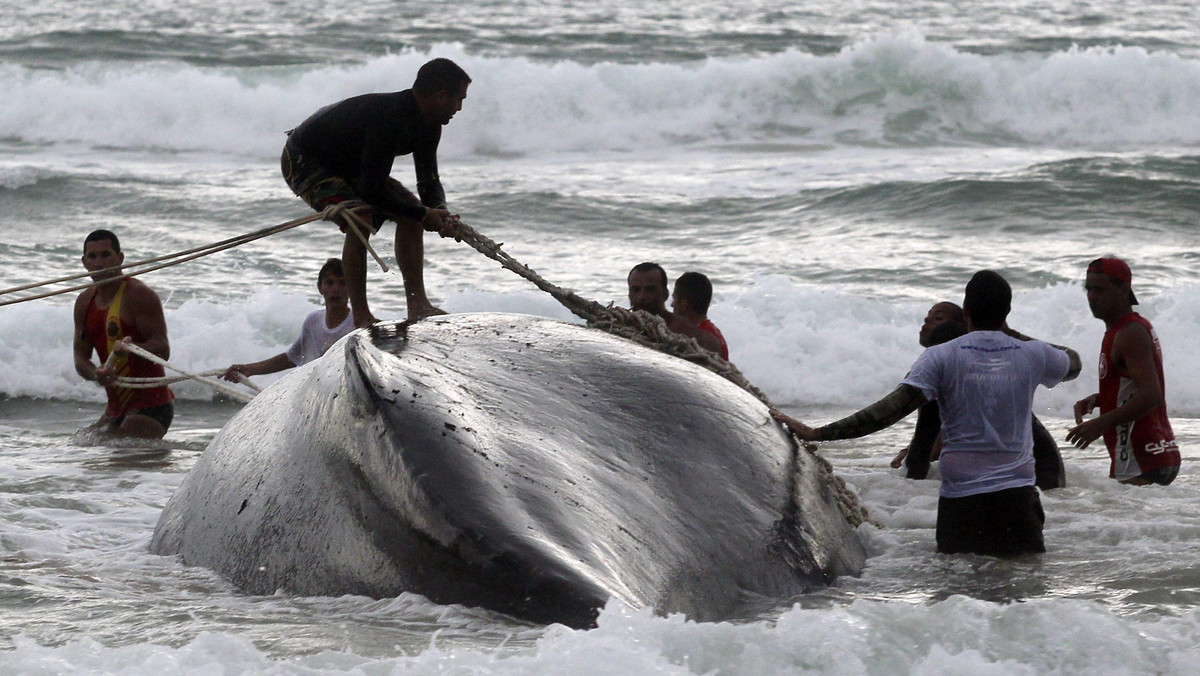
column 1133, row 410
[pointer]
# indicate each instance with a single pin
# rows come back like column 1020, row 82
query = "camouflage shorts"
column 318, row 188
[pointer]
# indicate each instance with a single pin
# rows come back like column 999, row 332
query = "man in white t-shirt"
column 984, row 383
column 322, row 328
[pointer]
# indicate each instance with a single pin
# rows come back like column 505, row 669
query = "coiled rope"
column 203, row 377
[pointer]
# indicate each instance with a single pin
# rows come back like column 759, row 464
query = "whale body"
column 527, row 465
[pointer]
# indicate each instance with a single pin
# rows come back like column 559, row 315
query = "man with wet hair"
column 119, row 311
column 690, row 300
column 1132, row 400
column 943, row 323
column 984, row 382
column 345, row 151
column 938, row 315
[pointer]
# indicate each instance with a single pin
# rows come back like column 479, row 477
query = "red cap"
column 1117, row 269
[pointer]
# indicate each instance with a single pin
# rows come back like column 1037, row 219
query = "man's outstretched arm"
column 1076, row 363
column 882, row 414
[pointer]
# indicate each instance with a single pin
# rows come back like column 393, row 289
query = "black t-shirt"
column 359, row 138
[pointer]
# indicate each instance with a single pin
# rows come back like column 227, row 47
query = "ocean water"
column 835, row 168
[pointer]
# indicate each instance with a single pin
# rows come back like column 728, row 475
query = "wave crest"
column 888, row 90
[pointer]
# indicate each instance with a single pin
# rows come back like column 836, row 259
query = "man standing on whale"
column 345, row 152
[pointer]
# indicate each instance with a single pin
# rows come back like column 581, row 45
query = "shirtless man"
column 1133, row 409
column 120, row 311
column 690, row 300
column 321, row 329
column 345, row 152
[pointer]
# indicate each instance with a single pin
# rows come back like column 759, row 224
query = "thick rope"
column 353, row 213
column 139, row 383
column 347, row 211
column 637, row 325
column 651, row 331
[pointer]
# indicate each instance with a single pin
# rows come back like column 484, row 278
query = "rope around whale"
column 650, row 330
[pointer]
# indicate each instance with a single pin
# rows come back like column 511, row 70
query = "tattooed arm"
column 886, row 412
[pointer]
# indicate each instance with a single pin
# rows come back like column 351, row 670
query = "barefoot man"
column 345, row 152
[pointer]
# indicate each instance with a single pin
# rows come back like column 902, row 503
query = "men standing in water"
column 115, row 312
column 943, row 323
column 345, row 152
column 1133, row 409
column 321, row 329
column 690, row 300
column 648, row 292
column 984, row 383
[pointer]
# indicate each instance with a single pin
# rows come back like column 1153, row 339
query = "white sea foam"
column 889, row 89
column 36, row 343
column 810, row 346
column 21, row 175
column 957, row 635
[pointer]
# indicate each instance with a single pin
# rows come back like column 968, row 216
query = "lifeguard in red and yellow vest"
column 109, row 315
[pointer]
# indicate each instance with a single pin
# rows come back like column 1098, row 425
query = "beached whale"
column 517, row 463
